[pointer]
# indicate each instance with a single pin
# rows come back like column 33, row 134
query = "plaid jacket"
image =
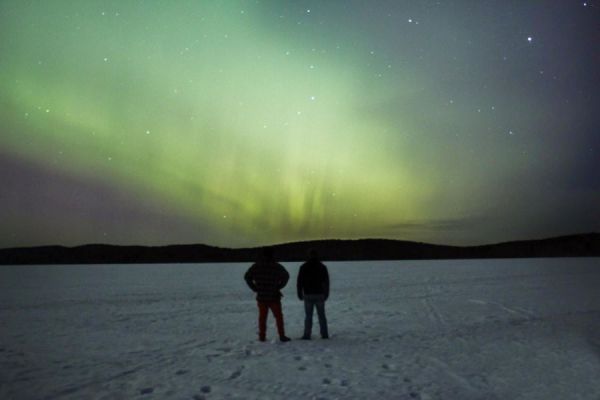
column 267, row 278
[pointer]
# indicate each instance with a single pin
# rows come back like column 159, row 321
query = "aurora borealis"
column 240, row 123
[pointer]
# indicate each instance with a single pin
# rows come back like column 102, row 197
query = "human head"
column 313, row 254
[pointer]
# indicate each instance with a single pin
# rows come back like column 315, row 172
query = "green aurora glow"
column 259, row 123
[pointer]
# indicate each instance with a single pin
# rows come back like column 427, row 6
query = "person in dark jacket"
column 313, row 288
column 267, row 277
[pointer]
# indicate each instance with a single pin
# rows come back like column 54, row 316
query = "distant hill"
column 583, row 245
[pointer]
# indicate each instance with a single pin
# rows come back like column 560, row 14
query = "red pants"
column 263, row 310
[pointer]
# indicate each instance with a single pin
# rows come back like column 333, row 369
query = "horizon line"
column 304, row 241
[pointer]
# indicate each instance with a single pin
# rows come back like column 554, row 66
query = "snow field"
column 476, row 329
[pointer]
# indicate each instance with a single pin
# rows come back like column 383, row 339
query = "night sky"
column 240, row 123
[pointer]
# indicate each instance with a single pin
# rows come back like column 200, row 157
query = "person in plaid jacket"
column 267, row 277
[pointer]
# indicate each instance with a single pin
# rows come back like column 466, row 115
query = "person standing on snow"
column 267, row 277
column 313, row 287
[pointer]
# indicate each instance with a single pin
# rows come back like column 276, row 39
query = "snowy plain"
column 457, row 329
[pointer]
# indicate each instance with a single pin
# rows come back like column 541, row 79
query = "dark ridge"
column 583, row 245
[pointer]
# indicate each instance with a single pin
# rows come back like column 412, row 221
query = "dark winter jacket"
column 267, row 278
column 313, row 278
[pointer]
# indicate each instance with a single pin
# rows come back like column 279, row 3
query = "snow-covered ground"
column 478, row 329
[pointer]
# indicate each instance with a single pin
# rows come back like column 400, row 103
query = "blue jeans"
column 310, row 301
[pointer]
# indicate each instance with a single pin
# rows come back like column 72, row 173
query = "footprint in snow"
column 205, row 389
column 236, row 374
column 181, row 372
column 147, row 390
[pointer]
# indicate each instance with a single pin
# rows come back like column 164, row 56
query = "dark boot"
column 284, row 338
